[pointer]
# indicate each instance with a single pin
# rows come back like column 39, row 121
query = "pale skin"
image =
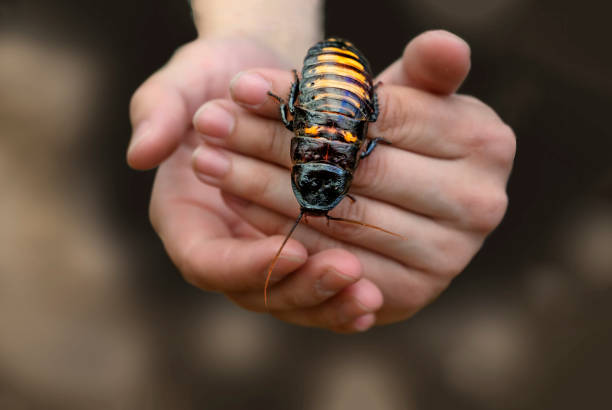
column 222, row 199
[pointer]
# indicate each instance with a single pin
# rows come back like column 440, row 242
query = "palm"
column 199, row 206
column 208, row 67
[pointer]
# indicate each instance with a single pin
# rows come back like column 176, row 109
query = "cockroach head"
column 319, row 187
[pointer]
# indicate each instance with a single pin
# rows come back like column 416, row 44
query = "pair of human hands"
column 222, row 199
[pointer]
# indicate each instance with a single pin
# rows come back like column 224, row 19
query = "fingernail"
column 213, row 120
column 365, row 299
column 363, row 323
column 249, row 89
column 140, row 134
column 294, row 254
column 332, row 282
column 210, row 164
column 368, row 298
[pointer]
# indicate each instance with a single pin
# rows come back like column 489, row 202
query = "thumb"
column 159, row 119
column 162, row 107
column 435, row 61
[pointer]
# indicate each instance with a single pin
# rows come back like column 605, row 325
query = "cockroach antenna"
column 329, row 218
column 352, row 221
column 297, row 221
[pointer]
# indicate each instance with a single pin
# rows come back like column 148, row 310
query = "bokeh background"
column 94, row 316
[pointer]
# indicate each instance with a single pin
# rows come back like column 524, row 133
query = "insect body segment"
column 336, row 78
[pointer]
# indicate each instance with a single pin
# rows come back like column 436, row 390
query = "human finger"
column 452, row 192
column 211, row 261
column 238, row 265
column 324, row 275
column 433, row 187
column 437, row 249
column 436, row 61
column 162, row 107
column 208, row 242
column 342, row 313
column 159, row 117
column 451, row 127
column 250, row 90
column 269, row 186
column 410, row 238
column 406, row 290
column 227, row 125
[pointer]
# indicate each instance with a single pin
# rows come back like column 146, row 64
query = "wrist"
column 271, row 22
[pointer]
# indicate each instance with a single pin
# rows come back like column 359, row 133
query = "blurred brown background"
column 94, row 316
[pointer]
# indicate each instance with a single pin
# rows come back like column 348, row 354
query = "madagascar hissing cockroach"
column 329, row 111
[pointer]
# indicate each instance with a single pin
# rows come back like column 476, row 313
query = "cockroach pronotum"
column 328, row 110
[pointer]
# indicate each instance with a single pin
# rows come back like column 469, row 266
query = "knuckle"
column 476, row 103
column 188, row 265
column 483, row 211
column 257, row 187
column 371, row 171
column 415, row 123
column 137, row 100
column 495, row 142
column 265, row 139
column 483, row 131
column 454, row 253
column 276, row 147
column 194, row 263
column 388, row 111
column 506, row 145
column 446, row 264
column 271, row 145
column 356, row 211
column 406, row 116
column 477, row 138
column 392, row 116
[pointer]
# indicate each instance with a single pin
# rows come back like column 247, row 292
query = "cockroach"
column 328, row 111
